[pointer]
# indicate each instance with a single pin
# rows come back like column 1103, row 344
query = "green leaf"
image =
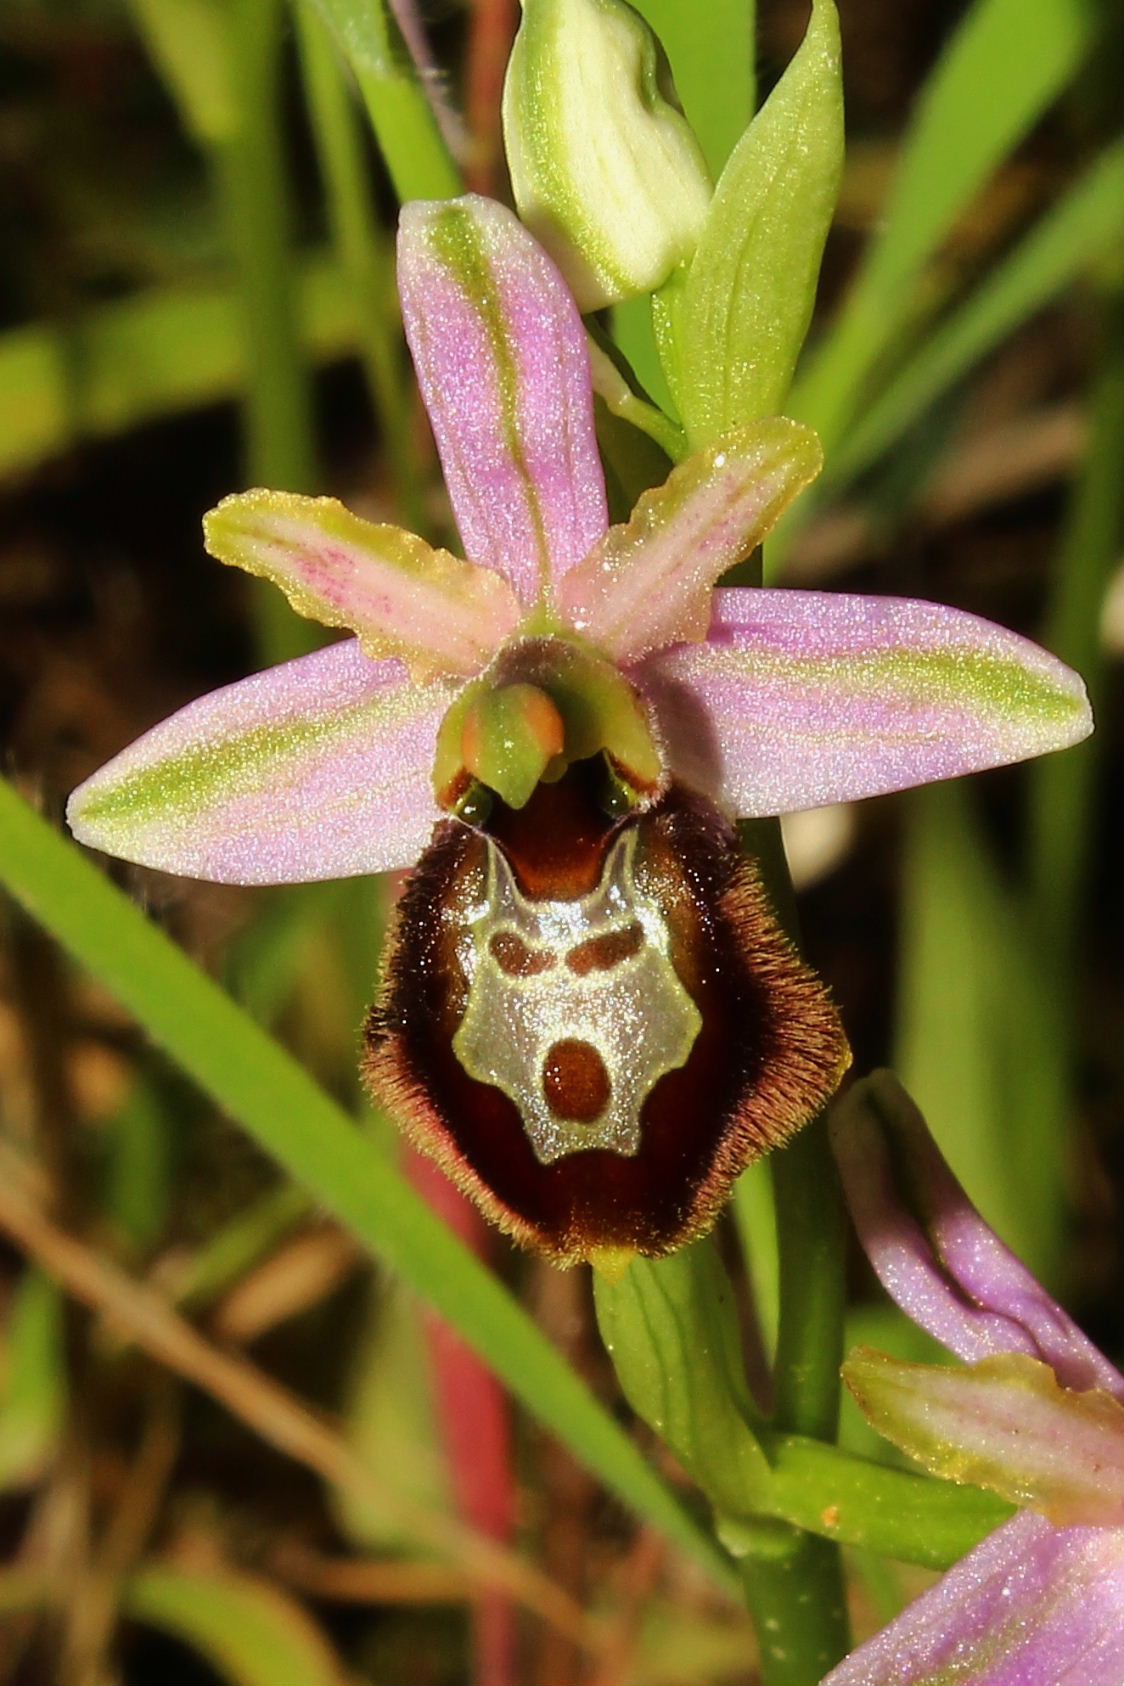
column 860, row 1502
column 165, row 350
column 33, row 1385
column 740, row 319
column 406, row 128
column 999, row 72
column 251, row 1633
column 256, row 1082
column 190, row 43
column 390, row 1422
column 1063, row 788
column 981, row 1046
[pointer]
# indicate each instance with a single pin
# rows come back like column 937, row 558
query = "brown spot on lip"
column 601, row 954
column 575, row 1082
column 513, row 956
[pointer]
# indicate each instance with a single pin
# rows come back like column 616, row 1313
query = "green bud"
column 607, row 173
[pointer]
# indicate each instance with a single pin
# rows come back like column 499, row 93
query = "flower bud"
column 606, row 172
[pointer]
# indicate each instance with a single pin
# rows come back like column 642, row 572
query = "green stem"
column 364, row 250
column 810, row 1234
column 810, row 1230
column 784, row 1587
column 251, row 182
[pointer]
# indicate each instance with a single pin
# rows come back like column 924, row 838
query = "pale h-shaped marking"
column 634, row 1012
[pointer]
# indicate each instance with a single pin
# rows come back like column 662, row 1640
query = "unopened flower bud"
column 606, row 172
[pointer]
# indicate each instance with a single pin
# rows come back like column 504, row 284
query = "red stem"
column 475, row 1427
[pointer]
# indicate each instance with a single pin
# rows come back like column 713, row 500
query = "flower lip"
column 712, row 962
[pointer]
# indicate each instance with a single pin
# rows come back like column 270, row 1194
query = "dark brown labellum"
column 594, row 1024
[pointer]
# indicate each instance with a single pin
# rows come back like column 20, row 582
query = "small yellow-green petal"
column 402, row 597
column 1004, row 1423
column 648, row 583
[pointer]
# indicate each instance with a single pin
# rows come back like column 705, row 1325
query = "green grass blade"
column 999, row 73
column 130, row 362
column 981, row 1047
column 1062, row 789
column 255, row 1081
column 249, row 1631
column 420, row 163
column 190, row 43
column 365, row 248
column 1069, row 238
column 250, row 173
column 33, row 1379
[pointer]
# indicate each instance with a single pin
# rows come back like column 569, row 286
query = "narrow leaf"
column 398, row 104
column 248, row 1630
column 1065, row 242
column 739, row 324
column 995, row 78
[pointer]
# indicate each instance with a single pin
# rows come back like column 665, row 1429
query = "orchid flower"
column 1036, row 1414
column 589, row 1015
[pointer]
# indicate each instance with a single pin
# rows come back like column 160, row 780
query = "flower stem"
column 364, row 249
column 251, row 183
column 799, row 1613
column 797, row 1599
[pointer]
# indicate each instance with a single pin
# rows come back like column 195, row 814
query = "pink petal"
column 500, row 354
column 319, row 768
column 1003, row 1423
column 801, row 698
column 1032, row 1605
column 403, row 598
column 647, row 584
column 933, row 1252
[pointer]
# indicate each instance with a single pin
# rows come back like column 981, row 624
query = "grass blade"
column 996, row 77
column 409, row 137
column 1061, row 245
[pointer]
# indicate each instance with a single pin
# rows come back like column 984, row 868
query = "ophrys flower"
column 589, row 1014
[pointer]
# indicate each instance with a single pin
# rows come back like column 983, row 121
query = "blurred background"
column 196, row 295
